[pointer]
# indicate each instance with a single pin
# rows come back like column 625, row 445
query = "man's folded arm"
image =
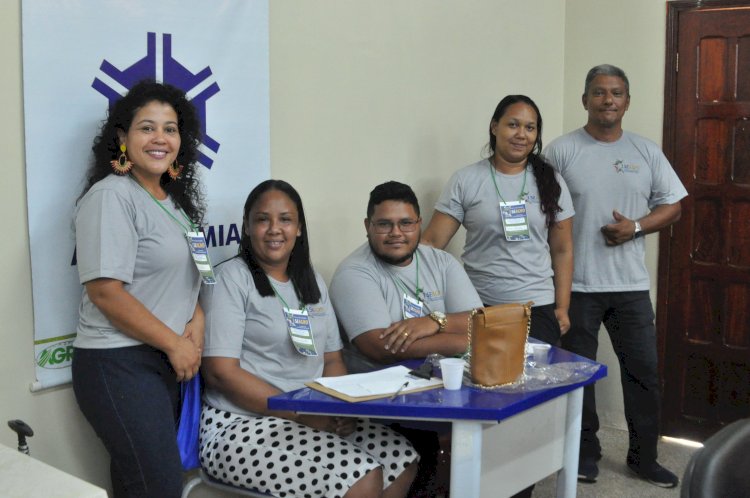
column 413, row 338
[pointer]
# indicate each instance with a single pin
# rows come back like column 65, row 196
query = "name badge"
column 199, row 251
column 410, row 307
column 300, row 330
column 515, row 222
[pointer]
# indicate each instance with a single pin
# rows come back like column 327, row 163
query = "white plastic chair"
column 203, row 478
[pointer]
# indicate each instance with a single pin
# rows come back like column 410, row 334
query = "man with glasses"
column 397, row 299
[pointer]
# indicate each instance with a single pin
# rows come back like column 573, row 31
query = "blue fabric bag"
column 187, row 429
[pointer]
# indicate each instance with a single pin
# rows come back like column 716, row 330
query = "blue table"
column 501, row 443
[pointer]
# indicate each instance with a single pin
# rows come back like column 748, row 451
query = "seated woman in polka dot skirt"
column 270, row 328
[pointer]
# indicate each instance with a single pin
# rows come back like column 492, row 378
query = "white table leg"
column 567, row 477
column 466, row 459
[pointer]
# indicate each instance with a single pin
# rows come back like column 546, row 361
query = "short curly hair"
column 186, row 190
column 391, row 191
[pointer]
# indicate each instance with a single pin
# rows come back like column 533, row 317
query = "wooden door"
column 704, row 268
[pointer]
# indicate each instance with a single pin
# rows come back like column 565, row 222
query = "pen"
column 403, row 386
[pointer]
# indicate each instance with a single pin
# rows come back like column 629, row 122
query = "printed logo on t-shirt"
column 532, row 199
column 621, row 167
column 316, row 310
column 432, row 296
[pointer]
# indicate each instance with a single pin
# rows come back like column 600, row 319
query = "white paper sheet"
column 377, row 383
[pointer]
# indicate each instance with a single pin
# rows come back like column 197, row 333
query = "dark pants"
column 131, row 398
column 629, row 320
column 544, row 325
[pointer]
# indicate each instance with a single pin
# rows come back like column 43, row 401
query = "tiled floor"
column 615, row 479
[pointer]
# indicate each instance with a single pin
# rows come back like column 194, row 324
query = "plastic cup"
column 453, row 372
column 541, row 353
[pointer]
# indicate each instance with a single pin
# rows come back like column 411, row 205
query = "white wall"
column 360, row 93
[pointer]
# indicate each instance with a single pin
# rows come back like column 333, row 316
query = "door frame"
column 674, row 9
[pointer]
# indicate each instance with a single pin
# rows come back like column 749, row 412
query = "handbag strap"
column 470, row 327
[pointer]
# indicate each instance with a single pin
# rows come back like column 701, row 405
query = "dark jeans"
column 131, row 398
column 544, row 325
column 629, row 320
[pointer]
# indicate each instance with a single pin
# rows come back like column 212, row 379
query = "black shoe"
column 588, row 471
column 655, row 474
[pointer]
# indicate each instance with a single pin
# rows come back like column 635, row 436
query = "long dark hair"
column 186, row 190
column 544, row 174
column 300, row 268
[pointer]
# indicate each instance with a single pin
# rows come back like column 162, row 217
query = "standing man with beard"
column 396, row 298
column 623, row 188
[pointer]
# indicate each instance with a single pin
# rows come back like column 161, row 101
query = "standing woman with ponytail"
column 518, row 217
column 140, row 328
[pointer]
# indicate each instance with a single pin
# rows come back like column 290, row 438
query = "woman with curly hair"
column 518, row 216
column 140, row 328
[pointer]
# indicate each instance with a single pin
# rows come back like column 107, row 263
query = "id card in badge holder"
column 515, row 222
column 199, row 251
column 300, row 330
column 410, row 307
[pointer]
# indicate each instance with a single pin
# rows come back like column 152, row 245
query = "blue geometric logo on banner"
column 174, row 73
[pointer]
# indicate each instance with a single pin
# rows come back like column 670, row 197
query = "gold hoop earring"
column 174, row 170
column 122, row 165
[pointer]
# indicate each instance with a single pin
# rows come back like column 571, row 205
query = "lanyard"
column 166, row 211
column 283, row 303
column 406, row 290
column 299, row 327
column 523, row 187
column 403, row 287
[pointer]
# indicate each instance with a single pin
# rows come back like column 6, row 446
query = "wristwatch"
column 638, row 230
column 440, row 318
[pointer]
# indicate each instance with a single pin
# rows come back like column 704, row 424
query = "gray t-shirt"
column 367, row 293
column 122, row 234
column 631, row 175
column 242, row 324
column 502, row 271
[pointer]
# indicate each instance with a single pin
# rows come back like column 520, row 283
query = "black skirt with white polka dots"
column 283, row 458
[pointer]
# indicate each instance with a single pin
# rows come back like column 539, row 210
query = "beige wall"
column 630, row 35
column 62, row 438
column 364, row 93
column 360, row 93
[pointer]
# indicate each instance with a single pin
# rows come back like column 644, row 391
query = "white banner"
column 78, row 57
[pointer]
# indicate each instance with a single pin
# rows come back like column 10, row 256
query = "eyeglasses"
column 385, row 226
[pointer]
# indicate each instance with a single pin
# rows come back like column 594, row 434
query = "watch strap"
column 441, row 320
column 638, row 230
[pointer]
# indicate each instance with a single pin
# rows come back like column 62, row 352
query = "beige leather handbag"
column 497, row 342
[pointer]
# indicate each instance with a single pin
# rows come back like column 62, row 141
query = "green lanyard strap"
column 190, row 222
column 406, row 290
column 283, row 303
column 403, row 287
column 523, row 187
